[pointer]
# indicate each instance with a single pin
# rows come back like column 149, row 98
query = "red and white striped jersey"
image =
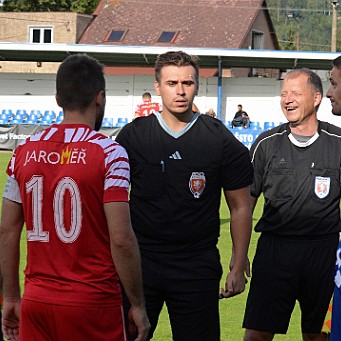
column 65, row 174
column 147, row 108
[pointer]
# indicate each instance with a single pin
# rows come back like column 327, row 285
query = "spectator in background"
column 297, row 168
column 70, row 184
column 241, row 118
column 334, row 94
column 177, row 177
column 211, row 113
column 147, row 107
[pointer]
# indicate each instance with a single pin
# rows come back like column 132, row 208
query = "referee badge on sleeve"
column 197, row 183
column 322, row 186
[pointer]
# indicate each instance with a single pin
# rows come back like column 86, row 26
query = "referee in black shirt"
column 297, row 168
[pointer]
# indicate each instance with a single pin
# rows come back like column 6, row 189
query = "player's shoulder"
column 276, row 132
column 269, row 137
column 212, row 121
column 140, row 122
column 330, row 129
column 214, row 125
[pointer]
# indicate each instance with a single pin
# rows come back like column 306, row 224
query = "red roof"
column 201, row 23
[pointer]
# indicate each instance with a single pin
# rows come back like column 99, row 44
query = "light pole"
column 334, row 26
column 296, row 17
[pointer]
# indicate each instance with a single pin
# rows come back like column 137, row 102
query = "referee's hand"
column 235, row 285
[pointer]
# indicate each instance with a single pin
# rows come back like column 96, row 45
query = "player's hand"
column 235, row 284
column 10, row 319
column 247, row 269
column 138, row 323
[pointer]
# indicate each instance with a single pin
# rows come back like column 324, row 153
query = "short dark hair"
column 337, row 62
column 313, row 78
column 79, row 80
column 176, row 58
column 146, row 94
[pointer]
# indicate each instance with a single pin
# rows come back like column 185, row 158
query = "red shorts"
column 47, row 322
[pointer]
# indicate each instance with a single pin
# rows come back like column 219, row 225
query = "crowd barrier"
column 12, row 135
column 246, row 135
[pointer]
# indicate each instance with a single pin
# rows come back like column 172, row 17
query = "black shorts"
column 189, row 286
column 285, row 270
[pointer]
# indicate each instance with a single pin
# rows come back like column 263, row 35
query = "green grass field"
column 231, row 310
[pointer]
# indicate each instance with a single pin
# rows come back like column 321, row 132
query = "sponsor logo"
column 322, row 186
column 66, row 157
column 197, row 183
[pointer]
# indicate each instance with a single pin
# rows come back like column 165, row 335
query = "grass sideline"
column 231, row 310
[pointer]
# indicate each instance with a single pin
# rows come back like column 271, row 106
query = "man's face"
column 100, row 108
column 298, row 99
column 177, row 88
column 334, row 91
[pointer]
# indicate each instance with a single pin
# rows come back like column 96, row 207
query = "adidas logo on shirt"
column 175, row 156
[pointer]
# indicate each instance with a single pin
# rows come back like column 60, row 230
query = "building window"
column 116, row 35
column 167, row 37
column 257, row 40
column 41, row 35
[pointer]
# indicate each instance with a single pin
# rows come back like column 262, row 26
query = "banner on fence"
column 12, row 135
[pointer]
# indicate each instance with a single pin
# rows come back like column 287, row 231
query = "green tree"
column 314, row 26
column 79, row 6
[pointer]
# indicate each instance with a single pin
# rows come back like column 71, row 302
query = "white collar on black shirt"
column 303, row 144
column 182, row 131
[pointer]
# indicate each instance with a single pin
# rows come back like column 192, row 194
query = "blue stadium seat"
column 108, row 122
column 47, row 118
column 34, row 117
column 121, row 121
column 59, row 117
column 6, row 116
column 20, row 117
column 50, row 114
column 255, row 125
column 269, row 125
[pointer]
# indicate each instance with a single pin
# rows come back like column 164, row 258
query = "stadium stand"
column 6, row 116
column 47, row 118
column 108, row 122
column 34, row 117
column 121, row 121
column 269, row 125
column 20, row 117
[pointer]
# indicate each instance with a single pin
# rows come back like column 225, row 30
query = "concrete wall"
column 259, row 96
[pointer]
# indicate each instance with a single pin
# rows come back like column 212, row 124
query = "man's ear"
column 57, row 100
column 100, row 97
column 157, row 87
column 317, row 99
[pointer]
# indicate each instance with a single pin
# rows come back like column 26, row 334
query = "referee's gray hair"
column 314, row 79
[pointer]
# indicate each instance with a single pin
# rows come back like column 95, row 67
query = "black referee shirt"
column 176, row 180
column 300, row 183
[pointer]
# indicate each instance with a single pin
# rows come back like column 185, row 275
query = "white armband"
column 12, row 191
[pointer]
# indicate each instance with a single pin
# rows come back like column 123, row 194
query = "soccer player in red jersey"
column 69, row 184
column 147, row 107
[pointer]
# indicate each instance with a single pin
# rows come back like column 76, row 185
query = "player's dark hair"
column 176, row 58
column 79, row 80
column 337, row 62
column 146, row 95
